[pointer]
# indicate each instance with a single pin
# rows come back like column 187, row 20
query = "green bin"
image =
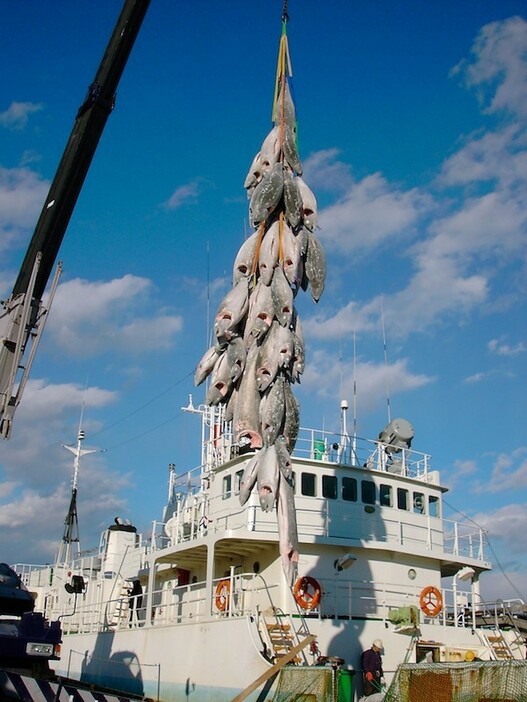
column 345, row 685
column 319, row 448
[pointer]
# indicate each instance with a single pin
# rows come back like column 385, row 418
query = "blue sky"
column 412, row 132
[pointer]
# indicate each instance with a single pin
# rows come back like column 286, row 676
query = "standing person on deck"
column 373, row 676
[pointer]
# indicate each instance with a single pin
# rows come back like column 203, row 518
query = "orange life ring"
column 307, row 592
column 431, row 601
column 223, row 592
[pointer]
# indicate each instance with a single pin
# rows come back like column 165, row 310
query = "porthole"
column 412, row 574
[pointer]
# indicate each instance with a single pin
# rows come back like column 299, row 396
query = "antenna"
column 354, row 444
column 208, row 297
column 385, row 362
column 71, row 523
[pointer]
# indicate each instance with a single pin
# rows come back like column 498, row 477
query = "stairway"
column 282, row 639
column 499, row 647
column 121, row 608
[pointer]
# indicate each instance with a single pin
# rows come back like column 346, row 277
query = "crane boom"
column 23, row 316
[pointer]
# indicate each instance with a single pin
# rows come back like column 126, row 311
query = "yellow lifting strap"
column 283, row 68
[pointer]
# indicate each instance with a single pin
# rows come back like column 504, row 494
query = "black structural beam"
column 76, row 159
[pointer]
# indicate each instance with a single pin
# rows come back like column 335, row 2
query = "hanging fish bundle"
column 259, row 345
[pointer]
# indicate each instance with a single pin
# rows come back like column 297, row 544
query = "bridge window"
column 402, row 498
column 237, row 481
column 227, row 482
column 419, row 503
column 329, row 487
column 433, row 506
column 385, row 495
column 349, row 489
column 368, row 492
column 308, row 484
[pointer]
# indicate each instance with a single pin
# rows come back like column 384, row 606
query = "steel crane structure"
column 23, row 315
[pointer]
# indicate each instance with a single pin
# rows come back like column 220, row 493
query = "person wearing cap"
column 373, row 676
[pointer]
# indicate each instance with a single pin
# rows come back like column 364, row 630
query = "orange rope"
column 258, row 247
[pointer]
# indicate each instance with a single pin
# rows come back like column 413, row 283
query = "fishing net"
column 314, row 684
column 479, row 681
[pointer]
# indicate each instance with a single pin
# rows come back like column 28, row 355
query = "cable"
column 146, row 404
column 487, row 539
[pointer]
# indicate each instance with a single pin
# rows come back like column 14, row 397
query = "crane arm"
column 21, row 320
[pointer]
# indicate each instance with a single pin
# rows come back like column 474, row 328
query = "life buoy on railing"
column 431, row 601
column 307, row 592
column 223, row 592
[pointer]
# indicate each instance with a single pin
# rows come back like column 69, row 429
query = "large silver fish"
column 283, row 457
column 231, row 404
column 268, row 478
column 248, row 480
column 268, row 359
column 236, row 355
column 293, row 202
column 220, row 381
column 287, row 530
column 292, row 418
column 272, row 409
column 246, row 419
column 270, row 151
column 260, row 315
column 231, row 311
column 285, row 346
column 309, row 205
column 268, row 257
column 284, row 108
column 282, row 296
column 290, row 150
column 266, row 195
column 292, row 262
column 254, row 174
column 207, row 363
column 315, row 266
column 245, row 258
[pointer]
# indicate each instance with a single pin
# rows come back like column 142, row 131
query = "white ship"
column 236, row 584
column 214, row 611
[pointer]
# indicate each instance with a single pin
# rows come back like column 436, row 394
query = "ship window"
column 349, row 489
column 368, row 492
column 226, row 486
column 402, row 498
column 329, row 487
column 385, row 495
column 433, row 506
column 237, row 481
column 308, row 484
column 419, row 503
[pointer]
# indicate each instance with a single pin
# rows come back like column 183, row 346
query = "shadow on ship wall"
column 120, row 670
column 359, row 524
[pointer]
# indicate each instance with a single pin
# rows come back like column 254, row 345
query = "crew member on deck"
column 373, row 676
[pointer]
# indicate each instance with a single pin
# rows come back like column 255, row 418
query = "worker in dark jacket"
column 373, row 676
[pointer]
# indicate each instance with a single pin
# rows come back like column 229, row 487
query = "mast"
column 23, row 317
column 69, row 548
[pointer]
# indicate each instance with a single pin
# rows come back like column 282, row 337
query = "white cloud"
column 497, row 156
column 508, row 471
column 369, row 214
column 323, row 171
column 500, row 65
column 182, row 195
column 506, row 523
column 499, row 347
column 323, row 375
column 16, row 115
column 22, row 193
column 93, row 317
column 475, row 378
